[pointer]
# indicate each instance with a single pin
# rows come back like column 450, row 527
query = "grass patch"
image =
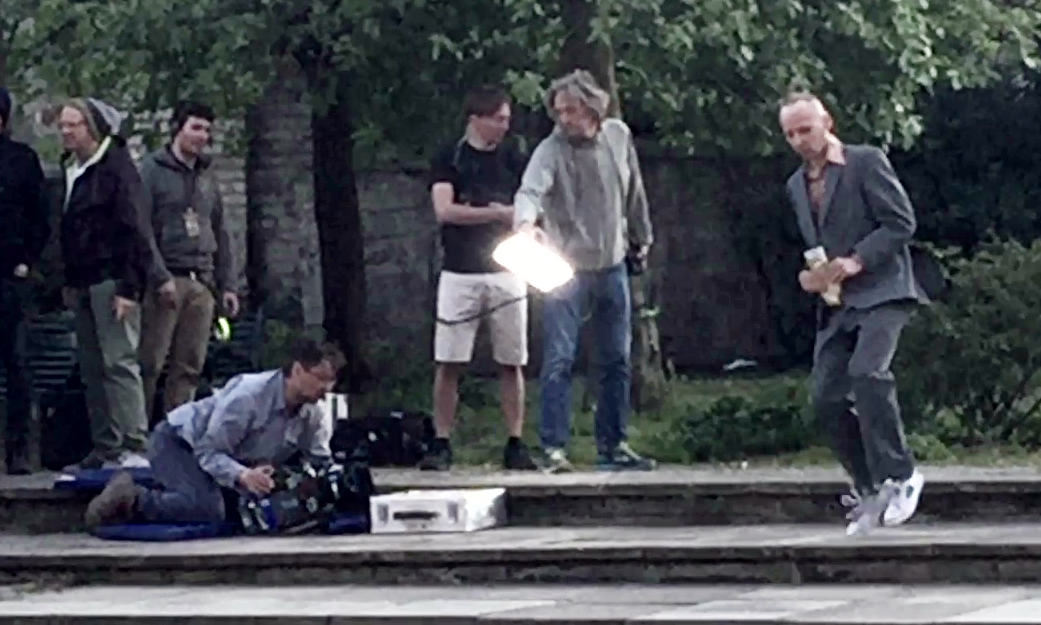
column 723, row 422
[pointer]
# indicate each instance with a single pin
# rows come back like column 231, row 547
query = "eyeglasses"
column 316, row 373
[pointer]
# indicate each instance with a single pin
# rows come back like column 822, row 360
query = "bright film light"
column 535, row 263
column 334, row 406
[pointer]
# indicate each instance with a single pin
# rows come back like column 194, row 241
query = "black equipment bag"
column 383, row 438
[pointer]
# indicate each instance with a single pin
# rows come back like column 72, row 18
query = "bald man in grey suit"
column 848, row 200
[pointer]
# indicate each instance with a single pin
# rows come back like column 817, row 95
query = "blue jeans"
column 187, row 494
column 604, row 293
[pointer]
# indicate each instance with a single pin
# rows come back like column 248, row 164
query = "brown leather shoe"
column 113, row 505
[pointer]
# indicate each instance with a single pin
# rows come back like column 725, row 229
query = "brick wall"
column 714, row 303
column 285, row 267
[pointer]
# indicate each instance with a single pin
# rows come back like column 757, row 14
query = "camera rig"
column 307, row 497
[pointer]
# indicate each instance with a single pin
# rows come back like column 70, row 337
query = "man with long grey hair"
column 584, row 182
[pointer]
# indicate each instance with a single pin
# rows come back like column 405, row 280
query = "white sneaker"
column 131, row 460
column 905, row 499
column 555, row 461
column 865, row 511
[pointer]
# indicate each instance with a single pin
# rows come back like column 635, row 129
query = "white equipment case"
column 463, row 510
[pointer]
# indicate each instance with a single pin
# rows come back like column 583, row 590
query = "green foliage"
column 278, row 341
column 974, row 169
column 968, row 367
column 929, row 448
column 705, row 74
column 142, row 55
column 773, row 419
column 710, row 73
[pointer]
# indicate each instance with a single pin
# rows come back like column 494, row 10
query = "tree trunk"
column 339, row 219
column 283, row 266
column 580, row 51
column 4, row 54
column 7, row 32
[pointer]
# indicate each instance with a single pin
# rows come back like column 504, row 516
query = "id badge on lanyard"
column 191, row 217
column 191, row 222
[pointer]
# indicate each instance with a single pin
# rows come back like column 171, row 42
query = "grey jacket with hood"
column 589, row 192
column 172, row 187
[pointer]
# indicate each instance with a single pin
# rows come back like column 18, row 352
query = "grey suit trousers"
column 854, row 392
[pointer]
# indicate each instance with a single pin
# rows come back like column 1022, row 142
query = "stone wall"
column 714, row 303
column 402, row 257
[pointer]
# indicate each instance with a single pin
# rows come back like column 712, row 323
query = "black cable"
column 644, row 312
column 483, row 313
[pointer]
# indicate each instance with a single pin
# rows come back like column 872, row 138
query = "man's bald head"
column 804, row 100
column 806, row 123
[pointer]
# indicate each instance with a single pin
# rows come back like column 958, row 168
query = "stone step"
column 671, row 496
column 786, row 554
column 530, row 604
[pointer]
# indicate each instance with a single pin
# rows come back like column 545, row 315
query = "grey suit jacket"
column 865, row 211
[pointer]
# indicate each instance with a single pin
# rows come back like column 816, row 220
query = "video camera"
column 307, row 497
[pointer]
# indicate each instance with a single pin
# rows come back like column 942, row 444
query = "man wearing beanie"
column 24, row 230
column 191, row 258
column 106, row 258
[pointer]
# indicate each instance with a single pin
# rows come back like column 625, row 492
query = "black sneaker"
column 18, row 463
column 438, row 457
column 516, row 457
column 92, row 462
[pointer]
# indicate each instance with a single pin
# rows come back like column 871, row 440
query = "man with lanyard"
column 191, row 248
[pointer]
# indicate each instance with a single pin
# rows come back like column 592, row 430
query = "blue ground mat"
column 166, row 532
column 96, row 479
column 162, row 532
column 350, row 524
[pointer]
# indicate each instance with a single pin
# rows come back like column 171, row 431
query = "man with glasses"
column 230, row 441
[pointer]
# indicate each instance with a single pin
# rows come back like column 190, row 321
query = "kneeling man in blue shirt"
column 231, row 440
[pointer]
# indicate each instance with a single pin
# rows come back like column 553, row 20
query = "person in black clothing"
column 106, row 258
column 24, row 230
column 472, row 185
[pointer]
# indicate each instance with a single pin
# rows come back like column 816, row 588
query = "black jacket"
column 24, row 227
column 102, row 237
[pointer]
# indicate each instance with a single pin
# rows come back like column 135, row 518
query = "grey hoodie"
column 590, row 193
column 172, row 188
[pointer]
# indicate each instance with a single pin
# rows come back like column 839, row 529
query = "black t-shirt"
column 477, row 178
